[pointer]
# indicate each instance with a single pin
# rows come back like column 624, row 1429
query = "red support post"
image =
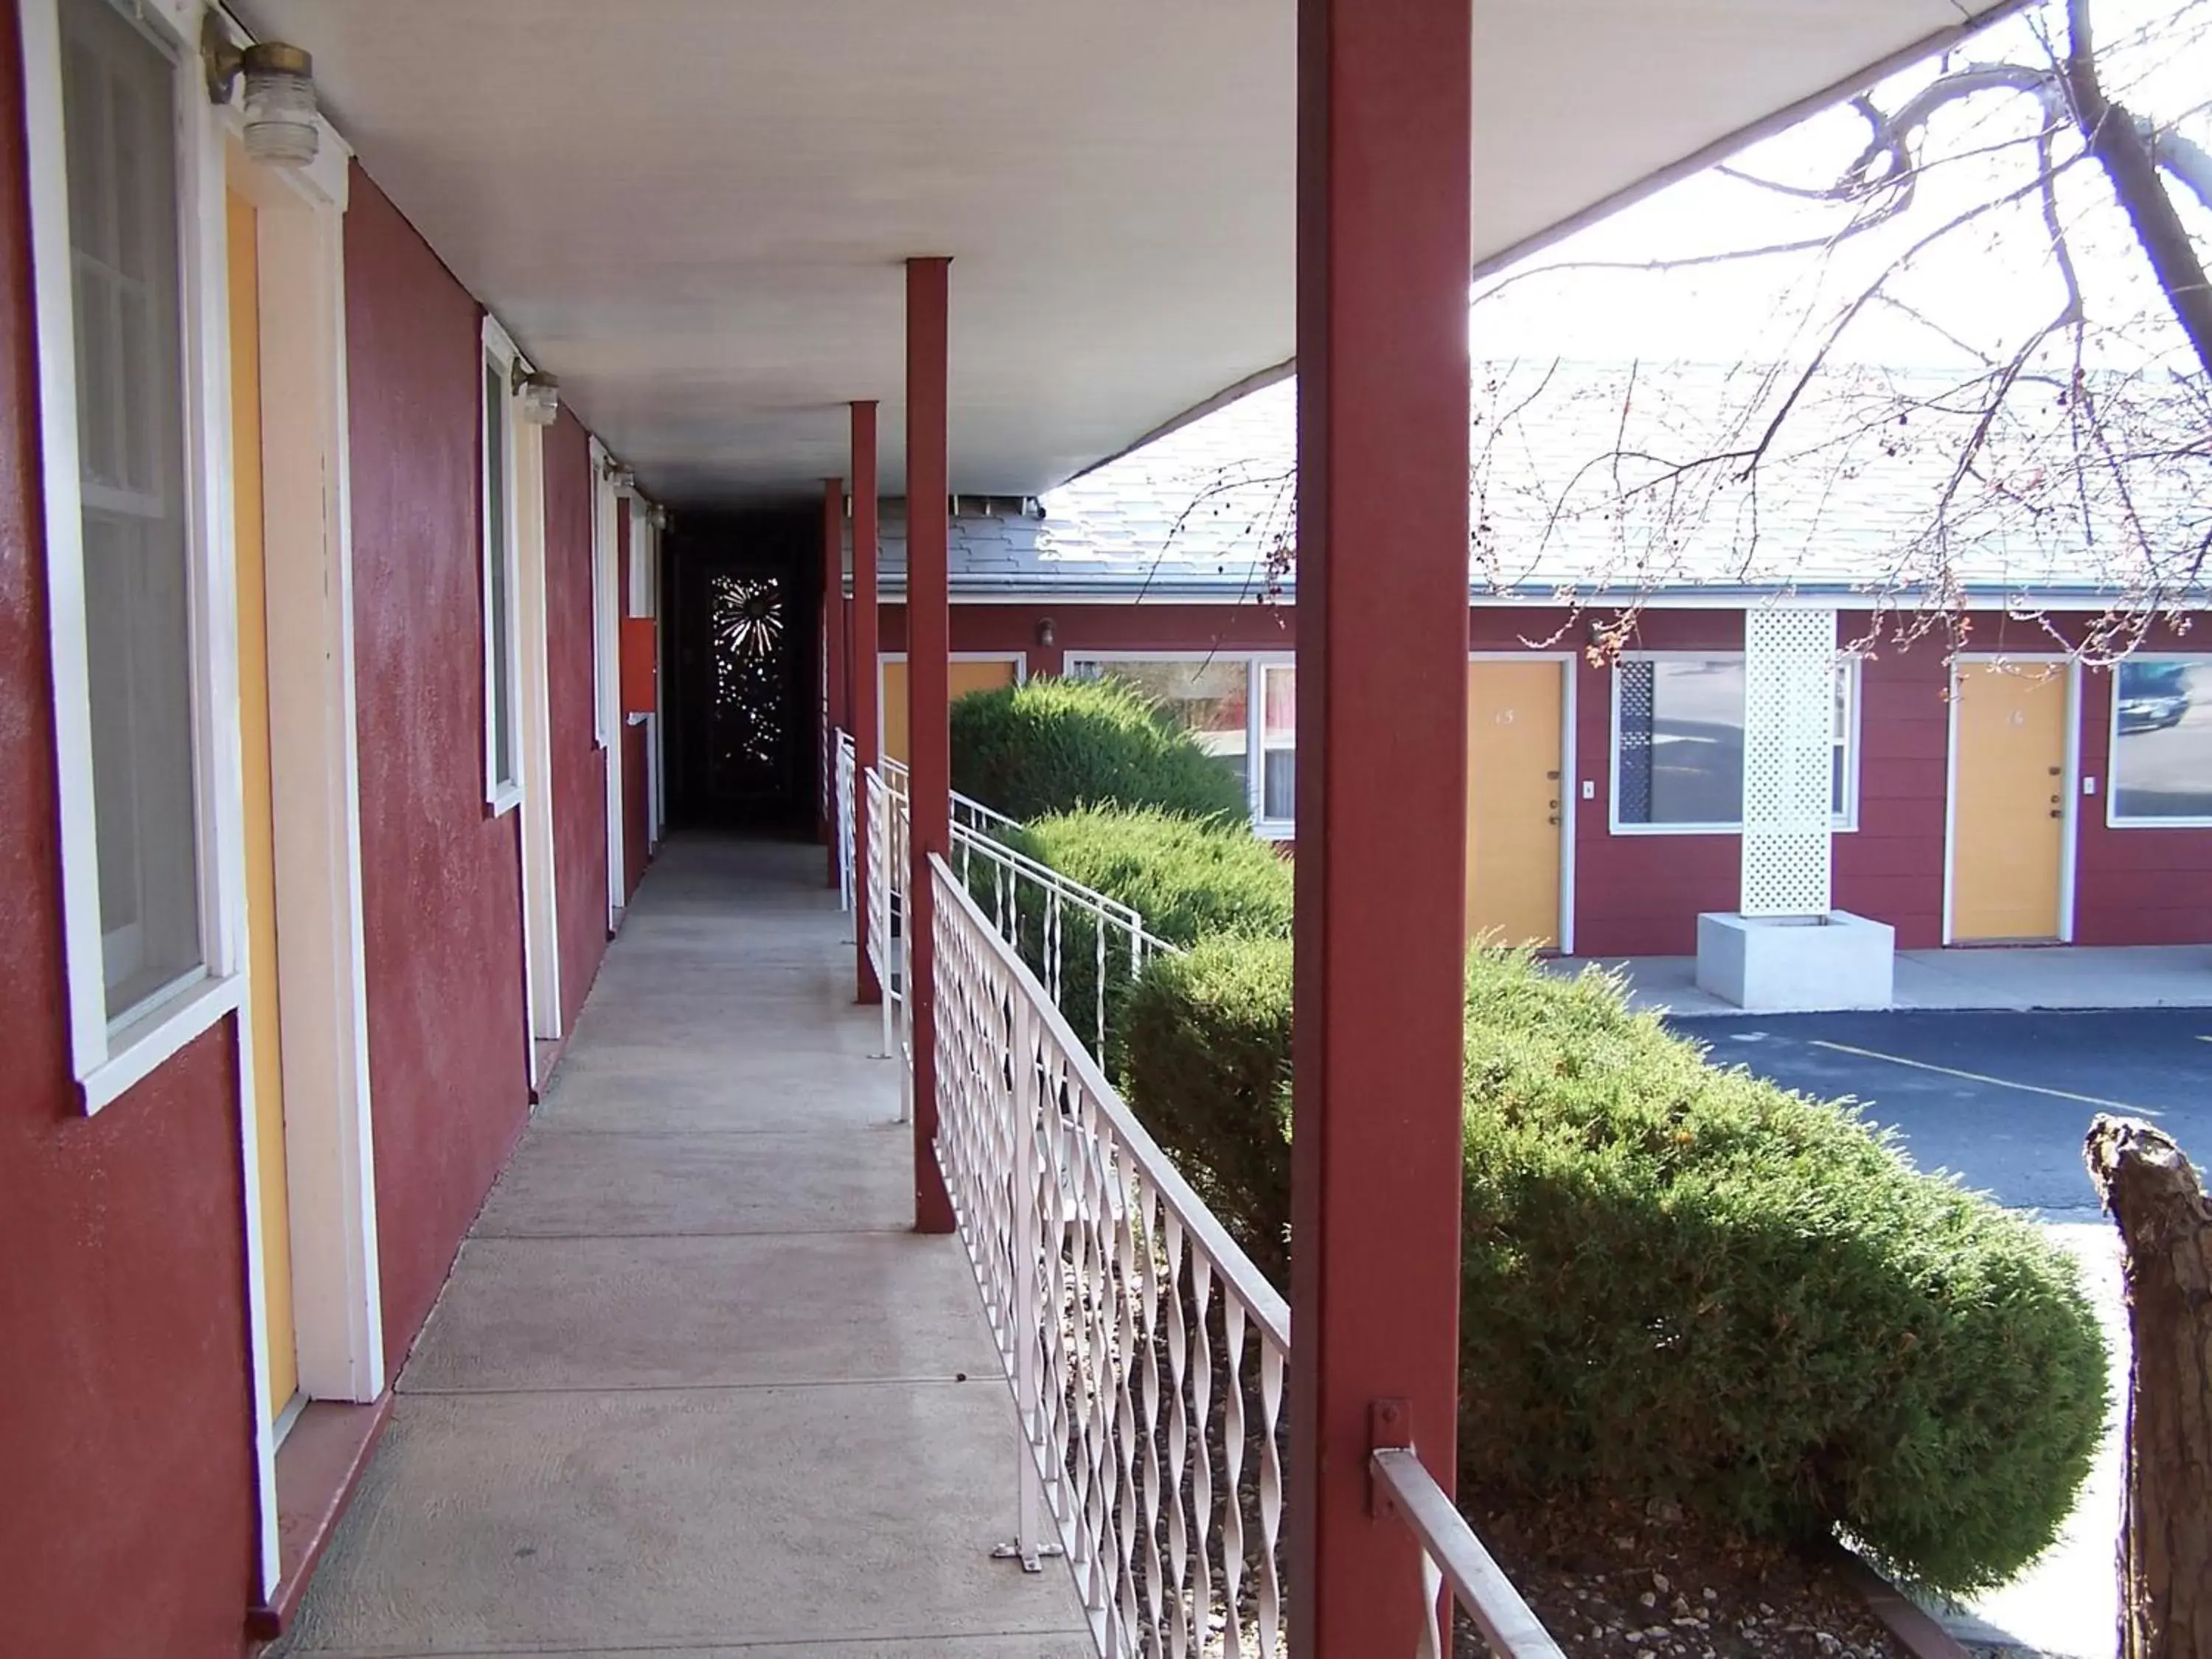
column 929, row 691
column 861, row 680
column 833, row 660
column 1384, row 116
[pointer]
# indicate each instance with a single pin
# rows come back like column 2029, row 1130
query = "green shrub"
column 1053, row 744
column 1683, row 1282
column 1206, row 1051
column 1190, row 880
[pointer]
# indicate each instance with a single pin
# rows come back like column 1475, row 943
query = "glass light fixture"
column 623, row 480
column 536, row 397
column 280, row 94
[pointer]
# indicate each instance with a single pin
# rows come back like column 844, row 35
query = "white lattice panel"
column 1789, row 758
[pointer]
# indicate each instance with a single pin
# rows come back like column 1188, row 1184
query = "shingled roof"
column 1611, row 481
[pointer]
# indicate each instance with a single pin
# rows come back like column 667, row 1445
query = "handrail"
column 1452, row 1553
column 1147, row 1355
column 1261, row 1300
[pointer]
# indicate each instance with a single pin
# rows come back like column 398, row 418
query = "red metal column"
column 928, row 690
column 861, row 682
column 833, row 660
column 1384, row 113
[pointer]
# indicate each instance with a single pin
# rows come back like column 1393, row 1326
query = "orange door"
column 1514, row 731
column 2009, row 800
column 986, row 675
column 265, row 1033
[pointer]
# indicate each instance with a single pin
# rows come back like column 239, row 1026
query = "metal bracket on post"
column 1390, row 1428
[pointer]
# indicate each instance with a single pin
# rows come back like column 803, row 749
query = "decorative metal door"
column 750, row 706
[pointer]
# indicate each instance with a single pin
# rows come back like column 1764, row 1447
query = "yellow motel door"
column 987, row 675
column 1514, row 711
column 2009, row 801
column 264, row 1034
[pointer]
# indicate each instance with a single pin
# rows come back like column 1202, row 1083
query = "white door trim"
column 606, row 671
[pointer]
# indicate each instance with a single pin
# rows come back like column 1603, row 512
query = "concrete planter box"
column 1796, row 964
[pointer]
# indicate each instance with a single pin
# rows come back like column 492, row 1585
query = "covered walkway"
column 695, row 1386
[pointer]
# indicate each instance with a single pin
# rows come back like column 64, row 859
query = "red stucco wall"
column 579, row 765
column 126, row 1483
column 2134, row 886
column 1640, row 895
column 1892, row 866
column 440, row 877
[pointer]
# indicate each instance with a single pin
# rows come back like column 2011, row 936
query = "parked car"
column 2154, row 696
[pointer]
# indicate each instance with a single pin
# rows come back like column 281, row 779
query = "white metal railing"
column 1451, row 1555
column 1053, row 923
column 887, row 852
column 1147, row 1354
column 843, row 777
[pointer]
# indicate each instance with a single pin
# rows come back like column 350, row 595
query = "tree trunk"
column 2166, row 1519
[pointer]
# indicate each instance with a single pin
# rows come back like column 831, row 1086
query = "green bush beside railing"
column 1680, row 1281
column 1054, row 744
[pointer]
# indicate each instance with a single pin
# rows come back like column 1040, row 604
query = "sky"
column 1987, row 285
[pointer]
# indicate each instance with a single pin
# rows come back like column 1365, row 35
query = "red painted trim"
column 319, row 1467
column 1384, row 193
column 861, row 689
column 833, row 645
column 929, row 754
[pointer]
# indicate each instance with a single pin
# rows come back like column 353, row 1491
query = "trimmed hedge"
column 1684, row 1282
column 1205, row 1062
column 1188, row 879
column 1054, row 744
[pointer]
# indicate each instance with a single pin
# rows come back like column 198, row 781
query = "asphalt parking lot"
column 2003, row 1099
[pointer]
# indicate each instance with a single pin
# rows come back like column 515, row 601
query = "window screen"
column 117, row 114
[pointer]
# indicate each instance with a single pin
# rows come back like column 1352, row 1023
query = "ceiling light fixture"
column 537, row 396
column 623, row 480
column 280, row 94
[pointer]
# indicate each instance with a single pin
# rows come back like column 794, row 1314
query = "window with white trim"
column 118, row 117
column 1678, row 744
column 502, row 692
column 2161, row 769
column 1242, row 708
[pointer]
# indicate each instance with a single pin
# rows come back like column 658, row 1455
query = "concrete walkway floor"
column 694, row 1387
column 2007, row 976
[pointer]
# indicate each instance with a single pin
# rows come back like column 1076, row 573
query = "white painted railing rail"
column 1147, row 1354
column 1453, row 1557
column 1052, row 922
column 843, row 829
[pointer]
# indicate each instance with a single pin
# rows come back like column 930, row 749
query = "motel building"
column 402, row 605
column 1984, row 779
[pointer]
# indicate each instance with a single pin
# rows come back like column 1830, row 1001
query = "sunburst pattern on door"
column 748, row 631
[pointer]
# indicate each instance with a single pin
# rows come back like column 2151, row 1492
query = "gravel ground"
column 1655, row 1584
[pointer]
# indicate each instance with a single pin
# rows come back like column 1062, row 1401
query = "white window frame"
column 501, row 795
column 108, row 1057
column 1253, row 663
column 1845, row 822
column 2113, row 817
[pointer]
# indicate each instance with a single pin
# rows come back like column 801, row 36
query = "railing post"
column 1022, row 1097
column 861, row 671
column 833, row 654
column 929, row 775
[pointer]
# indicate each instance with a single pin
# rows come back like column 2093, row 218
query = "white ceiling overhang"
column 694, row 211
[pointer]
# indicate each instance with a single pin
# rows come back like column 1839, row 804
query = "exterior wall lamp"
column 1047, row 635
column 280, row 94
column 621, row 477
column 537, row 397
